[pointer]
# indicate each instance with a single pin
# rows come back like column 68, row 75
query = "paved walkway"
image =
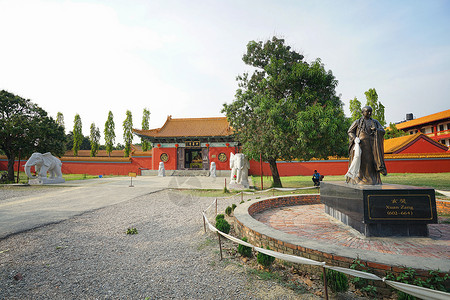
column 311, row 223
column 76, row 197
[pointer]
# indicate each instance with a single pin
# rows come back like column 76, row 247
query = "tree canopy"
column 128, row 133
column 94, row 139
column 77, row 134
column 287, row 108
column 392, row 132
column 372, row 101
column 26, row 128
column 110, row 135
column 145, row 126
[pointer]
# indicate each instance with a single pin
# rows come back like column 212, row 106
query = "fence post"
column 242, row 196
column 216, row 206
column 220, row 246
column 325, row 282
column 204, row 223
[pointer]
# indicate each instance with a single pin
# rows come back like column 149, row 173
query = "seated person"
column 316, row 178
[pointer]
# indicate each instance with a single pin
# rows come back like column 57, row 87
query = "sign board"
column 192, row 143
column 400, row 207
column 132, row 174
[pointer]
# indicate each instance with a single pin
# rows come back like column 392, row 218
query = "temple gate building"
column 191, row 143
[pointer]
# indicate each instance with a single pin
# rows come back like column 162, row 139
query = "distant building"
column 191, row 143
column 414, row 143
column 435, row 126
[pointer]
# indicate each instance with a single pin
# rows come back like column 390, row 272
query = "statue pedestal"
column 38, row 181
column 237, row 186
column 381, row 210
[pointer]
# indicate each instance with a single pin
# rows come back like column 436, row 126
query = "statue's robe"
column 372, row 150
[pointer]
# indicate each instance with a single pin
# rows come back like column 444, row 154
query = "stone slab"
column 381, row 210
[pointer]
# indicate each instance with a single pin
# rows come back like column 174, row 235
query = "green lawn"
column 440, row 181
column 68, row 177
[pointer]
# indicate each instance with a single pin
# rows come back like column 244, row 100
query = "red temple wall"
column 105, row 166
column 340, row 167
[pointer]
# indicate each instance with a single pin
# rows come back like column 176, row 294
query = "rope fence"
column 417, row 291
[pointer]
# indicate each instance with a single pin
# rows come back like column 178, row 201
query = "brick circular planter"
column 262, row 235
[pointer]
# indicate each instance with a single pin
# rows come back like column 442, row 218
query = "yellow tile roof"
column 424, row 120
column 395, row 144
column 100, row 153
column 183, row 127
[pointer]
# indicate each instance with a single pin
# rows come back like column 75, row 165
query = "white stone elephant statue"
column 44, row 163
column 239, row 166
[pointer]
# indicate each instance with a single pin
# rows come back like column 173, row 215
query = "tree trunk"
column 275, row 174
column 11, row 160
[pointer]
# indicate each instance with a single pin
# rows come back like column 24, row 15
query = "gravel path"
column 91, row 257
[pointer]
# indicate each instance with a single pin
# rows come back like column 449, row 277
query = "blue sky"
column 181, row 58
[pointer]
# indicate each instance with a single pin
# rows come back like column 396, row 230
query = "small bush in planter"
column 264, row 259
column 244, row 250
column 233, row 206
column 228, row 210
column 223, row 225
column 220, row 216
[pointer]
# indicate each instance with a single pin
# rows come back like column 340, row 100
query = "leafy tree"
column 94, row 139
column 355, row 109
column 392, row 132
column 287, row 109
column 60, row 119
column 77, row 134
column 128, row 132
column 85, row 143
column 26, row 128
column 372, row 101
column 378, row 108
column 145, row 126
column 110, row 135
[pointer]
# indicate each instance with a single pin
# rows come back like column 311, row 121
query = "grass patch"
column 439, row 181
column 23, row 178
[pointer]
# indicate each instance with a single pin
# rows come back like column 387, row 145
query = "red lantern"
column 159, row 145
column 207, row 145
column 176, row 145
column 227, row 144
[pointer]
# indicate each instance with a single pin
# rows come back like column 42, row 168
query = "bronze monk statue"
column 366, row 150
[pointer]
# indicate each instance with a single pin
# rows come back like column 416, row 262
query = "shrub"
column 362, row 283
column 264, row 259
column 132, row 231
column 409, row 276
column 220, row 216
column 233, row 206
column 242, row 202
column 223, row 225
column 244, row 250
column 337, row 281
column 228, row 210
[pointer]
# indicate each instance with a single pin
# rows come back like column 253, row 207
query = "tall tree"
column 77, row 134
column 372, row 101
column 60, row 120
column 128, row 132
column 355, row 109
column 110, row 134
column 287, row 109
column 94, row 139
column 145, row 126
column 26, row 128
column 378, row 108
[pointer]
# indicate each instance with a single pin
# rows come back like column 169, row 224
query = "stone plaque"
column 410, row 207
